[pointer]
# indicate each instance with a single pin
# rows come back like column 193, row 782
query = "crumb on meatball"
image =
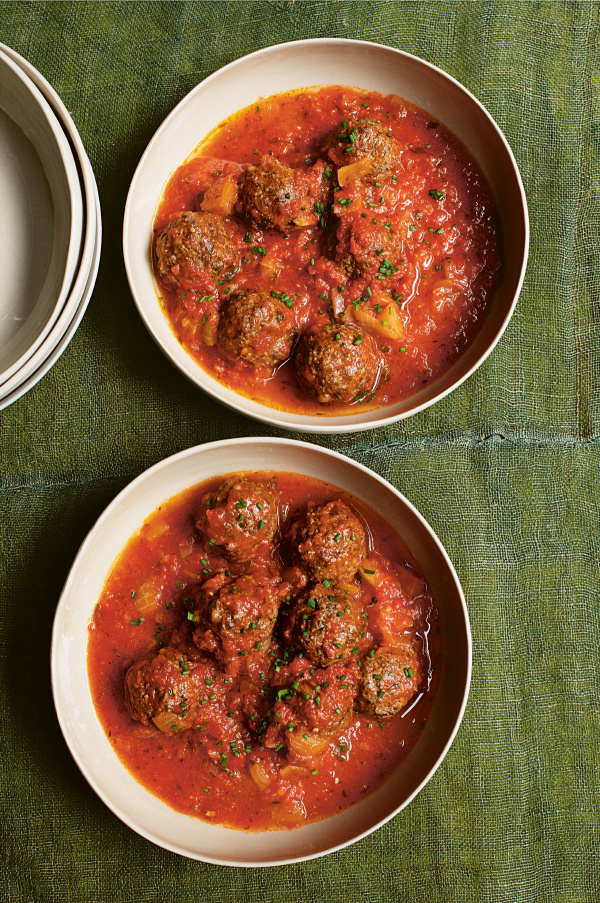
column 193, row 250
column 338, row 363
column 256, row 329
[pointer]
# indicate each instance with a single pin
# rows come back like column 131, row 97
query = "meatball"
column 389, row 678
column 363, row 247
column 240, row 518
column 315, row 706
column 193, row 250
column 352, row 267
column 256, row 328
column 164, row 689
column 254, row 703
column 338, row 363
column 327, row 624
column 275, row 196
column 329, row 542
column 236, row 618
column 364, row 139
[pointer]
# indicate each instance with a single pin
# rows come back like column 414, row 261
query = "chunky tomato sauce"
column 425, row 233
column 222, row 765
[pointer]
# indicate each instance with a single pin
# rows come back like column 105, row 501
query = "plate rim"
column 60, row 336
column 14, row 388
column 74, row 249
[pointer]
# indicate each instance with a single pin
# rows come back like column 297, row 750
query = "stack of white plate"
column 50, row 227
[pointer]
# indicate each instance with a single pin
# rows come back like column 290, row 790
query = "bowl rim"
column 55, row 649
column 73, row 251
column 329, row 424
column 72, row 312
column 66, row 121
column 65, row 327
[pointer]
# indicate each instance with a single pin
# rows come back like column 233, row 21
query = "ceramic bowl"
column 54, row 343
column 327, row 61
column 41, row 240
column 85, row 737
column 63, row 331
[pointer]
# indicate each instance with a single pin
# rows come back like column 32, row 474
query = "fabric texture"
column 505, row 469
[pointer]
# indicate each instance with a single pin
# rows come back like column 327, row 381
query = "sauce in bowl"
column 263, row 677
column 348, row 218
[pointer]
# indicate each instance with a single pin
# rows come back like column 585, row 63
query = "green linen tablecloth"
column 506, row 470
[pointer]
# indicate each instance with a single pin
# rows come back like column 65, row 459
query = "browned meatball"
column 326, row 623
column 240, row 518
column 351, row 266
column 275, row 196
column 389, row 679
column 237, row 618
column 338, row 363
column 163, row 688
column 361, row 139
column 329, row 542
column 256, row 329
column 195, row 248
column 312, row 708
column 366, row 247
column 254, row 703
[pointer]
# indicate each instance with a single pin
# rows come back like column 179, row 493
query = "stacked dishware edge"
column 52, row 237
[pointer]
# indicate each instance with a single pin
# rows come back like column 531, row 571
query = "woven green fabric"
column 506, row 470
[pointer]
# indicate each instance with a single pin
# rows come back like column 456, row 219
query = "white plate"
column 43, row 250
column 39, row 363
column 92, row 205
column 326, row 61
column 65, row 327
column 92, row 751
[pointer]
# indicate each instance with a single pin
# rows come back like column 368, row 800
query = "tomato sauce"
column 422, row 304
column 217, row 770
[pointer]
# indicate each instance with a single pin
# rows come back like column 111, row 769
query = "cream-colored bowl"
column 327, row 61
column 64, row 329
column 86, row 739
column 41, row 234
column 61, row 332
